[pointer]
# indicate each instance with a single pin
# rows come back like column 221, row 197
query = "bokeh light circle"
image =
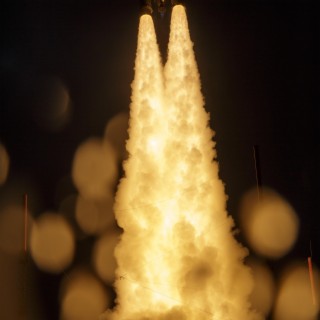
column 103, row 256
column 83, row 297
column 95, row 216
column 94, row 169
column 51, row 103
column 270, row 224
column 294, row 299
column 117, row 133
column 52, row 243
column 263, row 293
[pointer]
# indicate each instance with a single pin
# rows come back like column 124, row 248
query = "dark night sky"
column 259, row 65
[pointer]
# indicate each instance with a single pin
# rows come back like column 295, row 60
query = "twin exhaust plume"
column 177, row 257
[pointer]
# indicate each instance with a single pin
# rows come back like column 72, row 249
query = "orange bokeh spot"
column 294, row 299
column 83, row 297
column 52, row 243
column 263, row 292
column 117, row 133
column 103, row 257
column 270, row 224
column 94, row 169
column 94, row 216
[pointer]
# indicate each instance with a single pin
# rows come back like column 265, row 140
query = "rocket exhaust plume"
column 177, row 257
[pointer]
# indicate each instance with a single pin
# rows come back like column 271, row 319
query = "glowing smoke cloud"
column 177, row 258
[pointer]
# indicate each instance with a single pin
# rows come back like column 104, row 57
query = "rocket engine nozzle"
column 177, row 2
column 146, row 7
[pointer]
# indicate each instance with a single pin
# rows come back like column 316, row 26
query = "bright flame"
column 177, row 258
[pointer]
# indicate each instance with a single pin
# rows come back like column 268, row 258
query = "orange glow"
column 25, row 222
column 311, row 281
column 263, row 293
column 4, row 164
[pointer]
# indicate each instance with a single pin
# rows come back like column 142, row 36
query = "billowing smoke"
column 177, row 257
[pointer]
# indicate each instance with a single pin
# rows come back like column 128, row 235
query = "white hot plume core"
column 177, row 257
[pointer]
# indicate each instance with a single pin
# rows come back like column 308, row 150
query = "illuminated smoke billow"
column 177, row 257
